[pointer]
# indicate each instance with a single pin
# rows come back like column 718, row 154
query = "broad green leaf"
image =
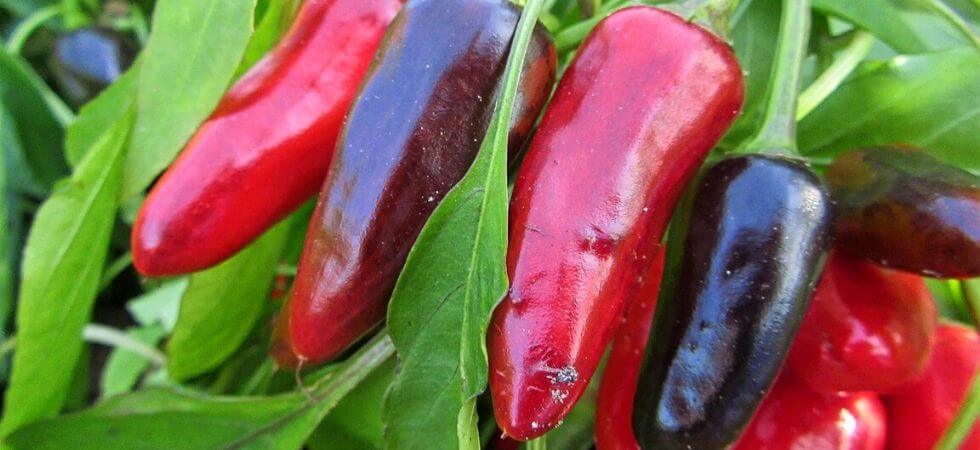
column 275, row 21
column 166, row 418
column 222, row 304
column 63, row 261
column 925, row 100
column 24, row 7
column 123, row 369
column 193, row 52
column 754, row 37
column 883, row 18
column 38, row 118
column 159, row 306
column 355, row 423
column 452, row 280
column 100, row 113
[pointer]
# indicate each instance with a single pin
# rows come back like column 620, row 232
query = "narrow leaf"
column 275, row 21
column 222, row 304
column 63, row 261
column 190, row 59
column 453, row 278
column 39, row 126
column 124, row 367
column 925, row 100
column 168, row 418
column 883, row 18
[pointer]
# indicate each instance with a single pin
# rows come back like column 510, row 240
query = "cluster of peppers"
column 383, row 108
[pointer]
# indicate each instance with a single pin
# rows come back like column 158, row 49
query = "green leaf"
column 754, row 37
column 159, row 306
column 949, row 299
column 222, row 304
column 63, row 261
column 883, row 18
column 10, row 226
column 274, row 23
column 167, row 418
column 38, row 117
column 193, row 52
column 925, row 100
column 452, row 280
column 355, row 423
column 124, row 367
column 108, row 108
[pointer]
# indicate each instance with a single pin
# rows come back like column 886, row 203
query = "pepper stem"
column 777, row 135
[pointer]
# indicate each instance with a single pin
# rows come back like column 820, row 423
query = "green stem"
column 540, row 443
column 954, row 19
column 777, row 135
column 114, row 269
column 964, row 420
column 28, row 26
column 829, row 80
column 971, row 293
column 101, row 334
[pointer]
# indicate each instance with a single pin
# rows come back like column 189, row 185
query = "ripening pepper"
column 267, row 147
column 757, row 235
column 87, row 60
column 411, row 135
column 793, row 417
column 614, row 409
column 868, row 328
column 647, row 96
column 905, row 209
column 920, row 413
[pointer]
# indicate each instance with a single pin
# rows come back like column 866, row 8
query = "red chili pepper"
column 919, row 413
column 614, row 410
column 267, row 147
column 648, row 95
column 411, row 135
column 868, row 328
column 793, row 417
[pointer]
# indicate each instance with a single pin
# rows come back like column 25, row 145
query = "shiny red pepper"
column 412, row 133
column 614, row 410
column 647, row 96
column 919, row 413
column 868, row 328
column 793, row 417
column 267, row 147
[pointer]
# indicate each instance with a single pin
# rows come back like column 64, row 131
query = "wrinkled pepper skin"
column 411, row 135
column 793, row 417
column 868, row 328
column 646, row 98
column 756, row 241
column 267, row 147
column 904, row 209
column 614, row 410
column 87, row 60
column 920, row 413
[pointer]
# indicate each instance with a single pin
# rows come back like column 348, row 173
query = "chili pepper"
column 613, row 423
column 411, row 135
column 794, row 417
column 867, row 329
column 645, row 99
column 905, row 209
column 755, row 242
column 757, row 234
column 919, row 413
column 266, row 148
column 87, row 60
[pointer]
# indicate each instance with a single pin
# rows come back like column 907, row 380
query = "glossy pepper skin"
column 904, row 209
column 415, row 129
column 633, row 117
column 793, row 417
column 267, row 147
column 755, row 244
column 614, row 410
column 87, row 60
column 920, row 413
column 868, row 328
